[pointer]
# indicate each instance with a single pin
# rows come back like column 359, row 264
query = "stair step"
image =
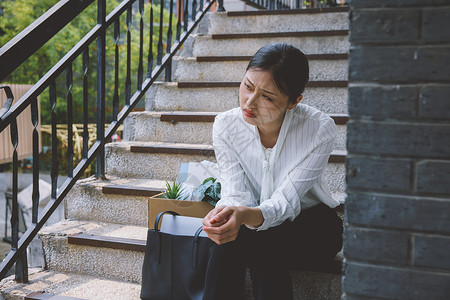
column 189, row 69
column 131, row 191
column 191, row 127
column 336, row 56
column 168, row 97
column 114, row 260
column 288, row 11
column 238, row 44
column 103, row 200
column 206, row 150
column 46, row 296
column 274, row 21
column 163, row 160
column 66, row 285
column 187, row 116
column 236, row 84
column 107, row 242
column 288, row 34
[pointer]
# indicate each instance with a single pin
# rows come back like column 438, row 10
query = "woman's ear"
column 291, row 106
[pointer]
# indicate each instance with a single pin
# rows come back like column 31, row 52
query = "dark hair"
column 288, row 66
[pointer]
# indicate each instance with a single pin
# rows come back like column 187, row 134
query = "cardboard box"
column 157, row 204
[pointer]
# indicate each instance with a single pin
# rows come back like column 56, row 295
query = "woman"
column 276, row 208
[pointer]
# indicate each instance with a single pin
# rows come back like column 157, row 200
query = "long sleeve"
column 285, row 201
column 234, row 182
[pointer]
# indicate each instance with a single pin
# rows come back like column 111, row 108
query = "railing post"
column 220, row 8
column 101, row 40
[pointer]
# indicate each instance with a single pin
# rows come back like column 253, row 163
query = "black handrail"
column 9, row 114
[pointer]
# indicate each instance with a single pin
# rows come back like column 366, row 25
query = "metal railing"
column 15, row 52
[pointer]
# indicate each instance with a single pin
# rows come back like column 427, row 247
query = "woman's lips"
column 249, row 114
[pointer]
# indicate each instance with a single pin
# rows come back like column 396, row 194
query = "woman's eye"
column 268, row 98
column 247, row 86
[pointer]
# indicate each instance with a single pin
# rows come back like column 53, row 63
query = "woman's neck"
column 269, row 135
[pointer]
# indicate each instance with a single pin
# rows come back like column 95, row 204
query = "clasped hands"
column 222, row 224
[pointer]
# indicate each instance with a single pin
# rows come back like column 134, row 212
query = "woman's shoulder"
column 227, row 118
column 309, row 113
column 315, row 121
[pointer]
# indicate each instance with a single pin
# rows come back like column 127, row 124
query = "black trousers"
column 313, row 238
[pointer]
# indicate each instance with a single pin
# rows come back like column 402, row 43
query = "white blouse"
column 282, row 180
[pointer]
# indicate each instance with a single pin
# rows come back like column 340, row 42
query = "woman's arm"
column 285, row 201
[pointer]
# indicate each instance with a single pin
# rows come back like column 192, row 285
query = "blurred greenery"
column 18, row 14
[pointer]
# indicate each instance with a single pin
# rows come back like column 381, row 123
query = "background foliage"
column 18, row 14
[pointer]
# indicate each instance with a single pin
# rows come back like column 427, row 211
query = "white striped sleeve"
column 285, row 201
column 233, row 180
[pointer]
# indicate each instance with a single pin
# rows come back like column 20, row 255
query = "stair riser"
column 88, row 202
column 162, row 97
column 191, row 70
column 204, row 45
column 108, row 263
column 121, row 162
column 148, row 127
column 220, row 23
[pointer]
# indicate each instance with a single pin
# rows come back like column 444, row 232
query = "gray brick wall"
column 397, row 229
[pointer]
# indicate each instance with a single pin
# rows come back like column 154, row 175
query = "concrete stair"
column 97, row 253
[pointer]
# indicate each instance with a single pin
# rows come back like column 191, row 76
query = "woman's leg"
column 315, row 237
column 226, row 271
column 269, row 270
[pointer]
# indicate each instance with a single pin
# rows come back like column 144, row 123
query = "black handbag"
column 175, row 259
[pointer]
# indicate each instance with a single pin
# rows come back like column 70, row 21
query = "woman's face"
column 261, row 102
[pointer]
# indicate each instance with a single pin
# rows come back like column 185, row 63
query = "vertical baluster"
column 160, row 41
column 101, row 40
column 141, row 45
column 116, row 69
column 186, row 15
column 35, row 194
column 128, row 77
column 21, row 264
column 221, row 8
column 179, row 6
column 54, row 171
column 150, row 46
column 200, row 8
column 194, row 10
column 85, row 103
column 168, row 75
column 69, row 83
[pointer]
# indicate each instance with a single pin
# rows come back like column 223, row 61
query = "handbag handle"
column 194, row 245
column 158, row 219
column 195, row 248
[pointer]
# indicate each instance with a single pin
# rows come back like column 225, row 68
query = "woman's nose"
column 252, row 100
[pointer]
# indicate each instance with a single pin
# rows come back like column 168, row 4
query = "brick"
column 435, row 25
column 433, row 177
column 394, row 283
column 404, row 139
column 431, row 251
column 378, row 173
column 401, row 64
column 435, row 102
column 396, row 3
column 383, row 102
column 391, row 246
column 374, row 26
column 402, row 212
